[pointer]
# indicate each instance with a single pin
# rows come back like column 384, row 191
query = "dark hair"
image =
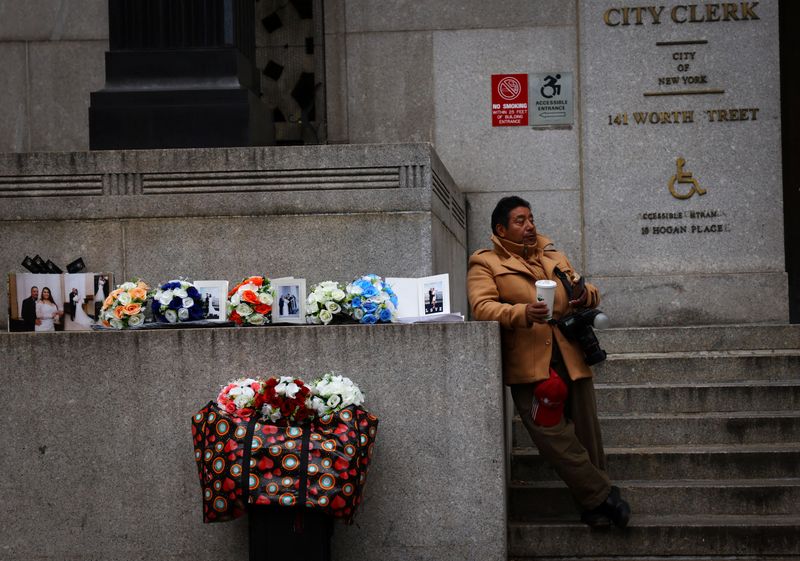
column 504, row 208
column 50, row 292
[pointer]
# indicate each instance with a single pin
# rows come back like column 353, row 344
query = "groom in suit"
column 29, row 309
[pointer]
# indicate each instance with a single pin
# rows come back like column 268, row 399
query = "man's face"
column 34, row 293
column 521, row 228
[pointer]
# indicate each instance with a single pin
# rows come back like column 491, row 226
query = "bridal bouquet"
column 333, row 393
column 371, row 300
column 124, row 307
column 241, row 398
column 286, row 398
column 250, row 301
column 324, row 304
column 177, row 300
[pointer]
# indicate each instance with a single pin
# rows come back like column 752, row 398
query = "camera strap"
column 564, row 281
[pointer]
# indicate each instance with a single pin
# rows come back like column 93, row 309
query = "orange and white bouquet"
column 250, row 301
column 125, row 306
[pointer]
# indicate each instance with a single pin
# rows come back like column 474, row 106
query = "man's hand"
column 580, row 301
column 536, row 312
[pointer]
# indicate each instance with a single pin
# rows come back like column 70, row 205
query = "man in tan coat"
column 540, row 364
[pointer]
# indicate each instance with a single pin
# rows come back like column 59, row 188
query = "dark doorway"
column 790, row 135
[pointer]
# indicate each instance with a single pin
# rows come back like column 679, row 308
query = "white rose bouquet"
column 250, row 301
column 325, row 303
column 177, row 300
column 333, row 393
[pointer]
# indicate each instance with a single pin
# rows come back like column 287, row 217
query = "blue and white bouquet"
column 371, row 300
column 175, row 301
column 324, row 303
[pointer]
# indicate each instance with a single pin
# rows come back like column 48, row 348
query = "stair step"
column 754, row 395
column 552, row 499
column 659, row 429
column 699, row 338
column 723, row 462
column 705, row 366
column 680, row 534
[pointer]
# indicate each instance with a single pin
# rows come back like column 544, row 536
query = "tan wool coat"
column 500, row 284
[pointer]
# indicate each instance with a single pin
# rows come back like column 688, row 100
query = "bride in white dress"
column 100, row 295
column 46, row 312
column 80, row 314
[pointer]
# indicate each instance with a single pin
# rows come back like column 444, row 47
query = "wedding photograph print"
column 35, row 302
column 214, row 296
column 290, row 301
column 79, row 300
column 435, row 295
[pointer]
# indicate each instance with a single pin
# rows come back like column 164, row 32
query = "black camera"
column 578, row 327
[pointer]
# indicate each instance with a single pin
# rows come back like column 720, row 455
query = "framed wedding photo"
column 214, row 297
column 290, row 301
column 435, row 295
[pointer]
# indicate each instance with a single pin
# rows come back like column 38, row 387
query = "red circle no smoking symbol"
column 509, row 88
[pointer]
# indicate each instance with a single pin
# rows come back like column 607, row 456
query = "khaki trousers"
column 574, row 447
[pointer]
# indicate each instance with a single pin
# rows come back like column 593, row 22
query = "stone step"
column 678, row 535
column 664, row 429
column 722, row 462
column 552, row 499
column 751, row 395
column 705, row 366
column 662, row 558
column 700, row 338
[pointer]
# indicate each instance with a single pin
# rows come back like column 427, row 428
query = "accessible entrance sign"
column 509, row 100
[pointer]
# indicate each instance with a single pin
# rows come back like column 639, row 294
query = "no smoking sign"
column 509, row 100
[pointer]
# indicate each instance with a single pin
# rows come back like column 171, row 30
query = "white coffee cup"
column 546, row 292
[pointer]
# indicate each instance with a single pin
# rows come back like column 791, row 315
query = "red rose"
column 250, row 297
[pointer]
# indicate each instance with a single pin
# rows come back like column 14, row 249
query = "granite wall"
column 98, row 462
column 51, row 52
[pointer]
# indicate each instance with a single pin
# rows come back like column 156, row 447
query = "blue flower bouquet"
column 370, row 300
column 176, row 301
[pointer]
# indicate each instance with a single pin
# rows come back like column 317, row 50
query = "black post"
column 180, row 73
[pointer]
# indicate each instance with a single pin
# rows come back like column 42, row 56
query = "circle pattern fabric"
column 322, row 464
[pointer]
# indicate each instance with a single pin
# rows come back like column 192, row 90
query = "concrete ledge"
column 314, row 212
column 98, row 460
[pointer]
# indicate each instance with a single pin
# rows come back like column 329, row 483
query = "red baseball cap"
column 548, row 401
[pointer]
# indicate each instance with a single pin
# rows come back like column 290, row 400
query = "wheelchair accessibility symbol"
column 551, row 87
column 684, row 178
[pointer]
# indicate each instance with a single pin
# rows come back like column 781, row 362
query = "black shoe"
column 612, row 510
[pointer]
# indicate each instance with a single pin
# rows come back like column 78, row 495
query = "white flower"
column 354, row 289
column 338, row 294
column 313, row 320
column 183, row 314
column 116, row 324
column 312, row 307
column 271, row 413
column 358, row 313
column 265, row 298
column 317, row 404
column 164, row 298
column 333, row 307
column 325, row 316
column 256, row 319
column 288, row 389
column 333, row 401
column 188, row 302
column 124, row 298
column 171, row 316
column 180, row 292
column 235, row 299
column 136, row 320
column 127, row 285
column 244, row 310
column 312, row 299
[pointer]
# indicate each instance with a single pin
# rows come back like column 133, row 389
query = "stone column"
column 180, row 73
